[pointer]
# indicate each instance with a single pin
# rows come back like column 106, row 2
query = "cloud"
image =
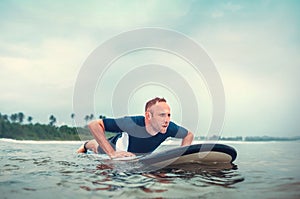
column 232, row 7
column 217, row 14
column 225, row 8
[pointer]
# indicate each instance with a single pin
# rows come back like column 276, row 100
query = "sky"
column 254, row 46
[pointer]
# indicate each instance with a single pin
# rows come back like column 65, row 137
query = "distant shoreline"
column 202, row 139
column 17, row 130
column 41, row 141
column 251, row 138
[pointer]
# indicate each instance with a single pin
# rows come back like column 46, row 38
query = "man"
column 136, row 134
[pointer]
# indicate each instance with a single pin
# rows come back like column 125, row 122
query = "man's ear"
column 148, row 115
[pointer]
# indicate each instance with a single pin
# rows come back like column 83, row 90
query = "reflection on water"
column 118, row 175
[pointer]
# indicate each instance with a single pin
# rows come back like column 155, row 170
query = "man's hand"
column 120, row 154
column 188, row 139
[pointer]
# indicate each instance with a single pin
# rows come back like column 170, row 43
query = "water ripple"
column 36, row 173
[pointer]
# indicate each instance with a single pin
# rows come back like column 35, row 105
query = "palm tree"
column 86, row 118
column 102, row 117
column 91, row 116
column 29, row 119
column 5, row 117
column 21, row 117
column 72, row 117
column 14, row 117
column 52, row 120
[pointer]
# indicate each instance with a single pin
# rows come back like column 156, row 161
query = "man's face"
column 160, row 117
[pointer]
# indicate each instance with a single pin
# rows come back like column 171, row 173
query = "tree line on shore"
column 14, row 126
column 18, row 126
column 20, row 118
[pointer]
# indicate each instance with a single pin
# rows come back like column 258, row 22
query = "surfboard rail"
column 197, row 153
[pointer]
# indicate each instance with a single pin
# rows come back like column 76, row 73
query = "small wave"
column 171, row 142
column 39, row 141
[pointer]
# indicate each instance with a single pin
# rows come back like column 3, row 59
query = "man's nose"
column 167, row 119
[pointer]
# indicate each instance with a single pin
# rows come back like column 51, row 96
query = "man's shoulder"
column 125, row 123
column 132, row 117
column 137, row 119
column 176, row 130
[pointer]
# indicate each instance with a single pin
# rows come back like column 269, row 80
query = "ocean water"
column 35, row 169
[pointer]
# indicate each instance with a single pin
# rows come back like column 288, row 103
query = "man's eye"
column 164, row 115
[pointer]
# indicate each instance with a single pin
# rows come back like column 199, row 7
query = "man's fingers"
column 128, row 154
column 120, row 154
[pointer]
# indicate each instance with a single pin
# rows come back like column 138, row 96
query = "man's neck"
column 149, row 129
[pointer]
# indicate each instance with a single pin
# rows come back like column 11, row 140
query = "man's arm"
column 98, row 130
column 188, row 139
